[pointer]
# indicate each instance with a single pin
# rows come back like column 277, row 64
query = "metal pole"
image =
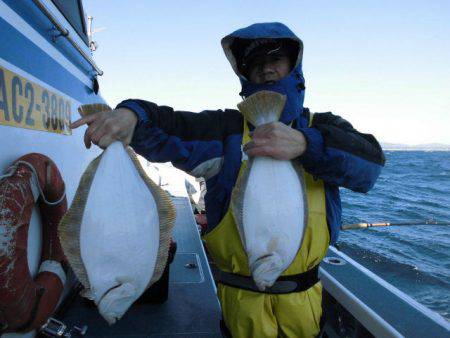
column 387, row 224
column 65, row 33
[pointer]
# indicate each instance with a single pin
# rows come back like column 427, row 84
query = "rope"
column 9, row 172
column 12, row 170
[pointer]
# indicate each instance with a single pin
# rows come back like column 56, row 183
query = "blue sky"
column 382, row 65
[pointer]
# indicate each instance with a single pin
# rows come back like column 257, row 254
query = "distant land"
column 418, row 147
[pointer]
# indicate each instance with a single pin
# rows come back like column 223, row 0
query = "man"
column 191, row 191
column 265, row 56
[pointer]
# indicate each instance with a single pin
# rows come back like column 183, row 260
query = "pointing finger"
column 83, row 120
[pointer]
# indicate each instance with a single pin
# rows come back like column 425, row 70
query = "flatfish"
column 116, row 234
column 269, row 200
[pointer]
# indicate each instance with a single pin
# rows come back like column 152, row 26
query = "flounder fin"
column 166, row 215
column 92, row 108
column 70, row 225
column 262, row 107
column 237, row 199
column 301, row 176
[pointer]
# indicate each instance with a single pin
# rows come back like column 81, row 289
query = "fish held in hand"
column 116, row 235
column 269, row 201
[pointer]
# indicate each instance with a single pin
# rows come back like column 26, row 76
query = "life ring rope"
column 12, row 170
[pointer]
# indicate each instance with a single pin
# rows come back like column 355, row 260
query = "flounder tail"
column 262, row 107
column 92, row 108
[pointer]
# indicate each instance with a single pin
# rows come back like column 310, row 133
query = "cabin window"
column 73, row 12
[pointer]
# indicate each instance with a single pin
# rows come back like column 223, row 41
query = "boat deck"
column 192, row 308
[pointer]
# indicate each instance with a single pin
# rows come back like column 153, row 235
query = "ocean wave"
column 413, row 186
column 391, row 267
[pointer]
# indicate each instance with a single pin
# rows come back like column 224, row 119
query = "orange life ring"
column 26, row 303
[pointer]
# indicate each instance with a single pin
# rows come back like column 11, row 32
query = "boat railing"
column 64, row 32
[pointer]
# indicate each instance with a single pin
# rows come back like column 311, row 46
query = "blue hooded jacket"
column 293, row 85
column 208, row 144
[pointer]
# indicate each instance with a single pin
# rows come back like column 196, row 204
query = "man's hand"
column 276, row 140
column 106, row 127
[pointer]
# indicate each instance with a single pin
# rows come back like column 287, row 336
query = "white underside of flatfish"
column 119, row 235
column 273, row 218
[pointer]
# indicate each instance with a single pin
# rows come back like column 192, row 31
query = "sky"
column 382, row 65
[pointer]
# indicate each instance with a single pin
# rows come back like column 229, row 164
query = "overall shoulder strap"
column 310, row 121
column 245, row 131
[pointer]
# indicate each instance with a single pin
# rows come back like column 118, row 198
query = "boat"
column 47, row 71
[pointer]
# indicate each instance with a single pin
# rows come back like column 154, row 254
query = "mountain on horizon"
column 421, row 147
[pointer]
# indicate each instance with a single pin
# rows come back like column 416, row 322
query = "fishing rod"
column 387, row 224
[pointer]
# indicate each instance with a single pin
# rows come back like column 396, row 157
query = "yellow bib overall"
column 253, row 314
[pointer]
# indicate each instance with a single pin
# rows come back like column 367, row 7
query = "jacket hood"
column 271, row 30
column 292, row 85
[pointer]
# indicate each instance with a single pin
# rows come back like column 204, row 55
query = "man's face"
column 268, row 68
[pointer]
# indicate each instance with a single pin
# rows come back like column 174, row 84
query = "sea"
column 414, row 186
